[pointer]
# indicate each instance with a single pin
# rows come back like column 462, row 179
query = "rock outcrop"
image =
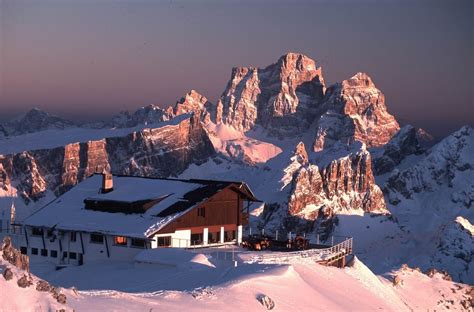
column 193, row 101
column 345, row 184
column 356, row 111
column 14, row 256
column 284, row 96
column 155, row 152
column 15, row 266
column 456, row 250
column 147, row 115
column 404, row 143
column 449, row 164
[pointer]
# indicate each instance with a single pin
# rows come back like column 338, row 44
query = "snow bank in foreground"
column 173, row 257
column 301, row 286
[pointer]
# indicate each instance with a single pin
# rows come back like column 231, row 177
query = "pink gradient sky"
column 89, row 59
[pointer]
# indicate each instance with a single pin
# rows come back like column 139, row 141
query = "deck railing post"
column 263, row 232
column 276, row 235
column 250, row 231
column 332, row 240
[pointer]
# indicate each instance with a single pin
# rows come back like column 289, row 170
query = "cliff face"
column 345, row 184
column 404, row 143
column 448, row 165
column 356, row 112
column 157, row 152
column 277, row 96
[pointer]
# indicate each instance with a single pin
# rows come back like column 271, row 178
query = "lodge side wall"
column 224, row 208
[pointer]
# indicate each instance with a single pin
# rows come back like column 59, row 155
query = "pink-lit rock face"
column 284, row 95
column 154, row 152
column 191, row 102
column 345, row 184
column 356, row 111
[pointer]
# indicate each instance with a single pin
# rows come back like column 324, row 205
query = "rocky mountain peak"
column 298, row 63
column 283, row 96
column 149, row 114
column 33, row 121
column 191, row 102
column 301, row 154
column 358, row 80
column 356, row 112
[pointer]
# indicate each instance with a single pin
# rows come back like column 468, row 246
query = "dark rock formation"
column 404, row 143
column 43, row 286
column 7, row 274
column 25, row 281
column 266, row 302
column 14, row 256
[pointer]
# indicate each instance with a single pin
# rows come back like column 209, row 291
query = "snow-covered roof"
column 68, row 211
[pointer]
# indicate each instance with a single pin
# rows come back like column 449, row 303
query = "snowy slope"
column 301, row 286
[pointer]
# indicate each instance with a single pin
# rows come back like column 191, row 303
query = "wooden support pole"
column 107, row 246
column 44, row 243
column 82, row 243
column 26, row 237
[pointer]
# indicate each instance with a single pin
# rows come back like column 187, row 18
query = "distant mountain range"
column 325, row 159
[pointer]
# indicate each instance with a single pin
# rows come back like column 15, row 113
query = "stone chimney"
column 107, row 183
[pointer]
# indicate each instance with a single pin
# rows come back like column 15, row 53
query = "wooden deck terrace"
column 326, row 255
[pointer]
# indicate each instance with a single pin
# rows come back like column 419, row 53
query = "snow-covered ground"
column 198, row 281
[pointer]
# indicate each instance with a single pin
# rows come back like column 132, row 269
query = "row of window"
column 96, row 238
column 212, row 237
column 52, row 253
column 119, row 241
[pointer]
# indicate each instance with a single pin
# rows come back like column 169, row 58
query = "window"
column 97, row 238
column 72, row 255
column 73, row 236
column 138, row 243
column 44, row 252
column 120, row 240
column 37, row 231
column 202, row 212
column 53, row 254
column 23, row 250
column 34, row 251
column 196, row 239
column 164, row 241
column 213, row 238
column 229, row 236
column 64, row 254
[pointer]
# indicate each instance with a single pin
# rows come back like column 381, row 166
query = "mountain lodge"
column 116, row 217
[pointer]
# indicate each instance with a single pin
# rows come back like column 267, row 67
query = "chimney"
column 107, row 183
